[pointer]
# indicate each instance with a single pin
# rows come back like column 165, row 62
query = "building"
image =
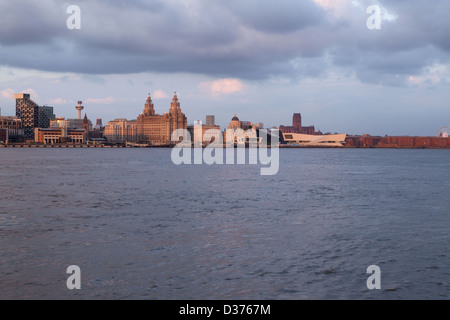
column 257, row 126
column 28, row 111
column 56, row 135
column 13, row 127
column 251, row 130
column 235, row 123
column 307, row 140
column 3, row 135
column 32, row 115
column 157, row 129
column 297, row 127
column 98, row 125
column 368, row 141
column 205, row 134
column 210, row 121
column 45, row 115
column 121, row 130
column 69, row 123
column 244, row 125
column 96, row 133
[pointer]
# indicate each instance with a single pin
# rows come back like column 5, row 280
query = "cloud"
column 228, row 39
column 432, row 75
column 282, row 16
column 58, row 101
column 106, row 100
column 7, row 93
column 222, row 86
column 160, row 94
column 33, row 94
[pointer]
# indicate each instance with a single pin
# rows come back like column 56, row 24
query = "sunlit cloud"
column 222, row 86
column 106, row 100
column 433, row 75
column 33, row 94
column 160, row 94
column 385, row 13
column 58, row 101
column 7, row 93
column 334, row 7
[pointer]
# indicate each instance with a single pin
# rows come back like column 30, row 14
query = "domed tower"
column 235, row 123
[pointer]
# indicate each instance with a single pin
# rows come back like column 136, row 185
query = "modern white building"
column 307, row 140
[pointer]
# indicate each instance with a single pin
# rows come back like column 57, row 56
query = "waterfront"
column 140, row 227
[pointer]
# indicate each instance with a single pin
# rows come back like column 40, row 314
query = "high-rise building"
column 157, row 129
column 45, row 116
column 28, row 111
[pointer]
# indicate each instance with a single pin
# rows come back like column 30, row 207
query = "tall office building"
column 45, row 116
column 28, row 111
column 32, row 115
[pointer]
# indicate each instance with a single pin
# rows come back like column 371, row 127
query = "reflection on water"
column 140, row 227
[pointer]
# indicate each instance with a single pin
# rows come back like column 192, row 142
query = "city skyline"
column 317, row 58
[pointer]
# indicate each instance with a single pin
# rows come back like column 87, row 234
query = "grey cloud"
column 276, row 16
column 25, row 21
column 246, row 39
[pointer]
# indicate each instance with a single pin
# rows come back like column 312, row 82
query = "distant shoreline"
column 102, row 146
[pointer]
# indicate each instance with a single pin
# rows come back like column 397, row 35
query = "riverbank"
column 109, row 146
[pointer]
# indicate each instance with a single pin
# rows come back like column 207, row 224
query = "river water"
column 140, row 227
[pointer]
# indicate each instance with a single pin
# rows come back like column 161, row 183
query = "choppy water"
column 140, row 227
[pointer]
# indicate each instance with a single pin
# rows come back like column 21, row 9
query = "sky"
column 263, row 60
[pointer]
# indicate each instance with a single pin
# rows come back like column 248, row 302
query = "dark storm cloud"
column 276, row 17
column 24, row 21
column 247, row 39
